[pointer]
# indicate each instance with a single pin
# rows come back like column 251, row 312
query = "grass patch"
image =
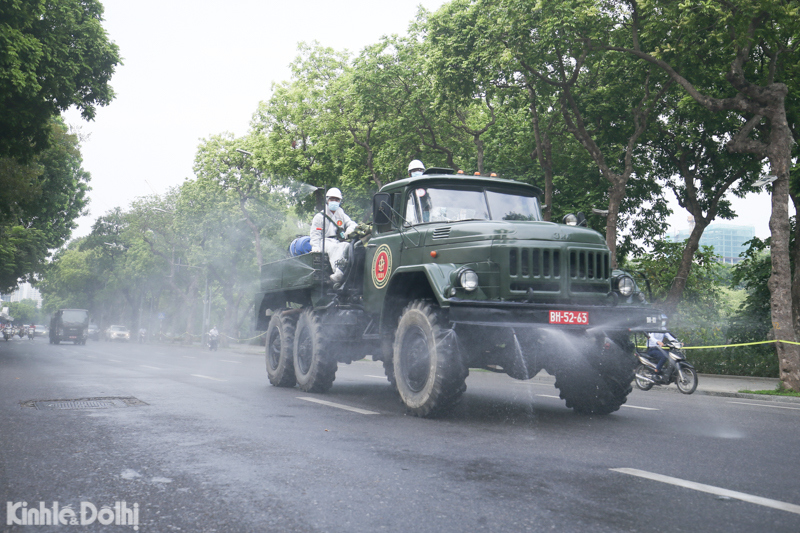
column 780, row 391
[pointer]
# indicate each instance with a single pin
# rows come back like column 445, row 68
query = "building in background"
column 24, row 292
column 728, row 240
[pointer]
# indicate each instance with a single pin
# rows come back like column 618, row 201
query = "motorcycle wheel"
column 643, row 384
column 689, row 384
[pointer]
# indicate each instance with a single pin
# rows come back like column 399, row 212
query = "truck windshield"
column 505, row 206
column 433, row 204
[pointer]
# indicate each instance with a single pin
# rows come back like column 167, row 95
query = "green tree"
column 605, row 102
column 25, row 312
column 39, row 203
column 53, row 54
column 732, row 58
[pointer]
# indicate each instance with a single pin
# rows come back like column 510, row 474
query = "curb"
column 745, row 396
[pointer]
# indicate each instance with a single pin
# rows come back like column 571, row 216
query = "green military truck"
column 69, row 325
column 459, row 272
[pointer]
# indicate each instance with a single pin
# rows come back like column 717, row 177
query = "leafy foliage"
column 39, row 203
column 54, row 54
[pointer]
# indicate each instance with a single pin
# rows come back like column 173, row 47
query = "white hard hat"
column 334, row 192
column 415, row 164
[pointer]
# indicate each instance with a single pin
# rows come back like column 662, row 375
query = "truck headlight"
column 570, row 220
column 468, row 280
column 625, row 285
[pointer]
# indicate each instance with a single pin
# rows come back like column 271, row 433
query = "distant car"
column 118, row 333
column 94, row 332
column 41, row 330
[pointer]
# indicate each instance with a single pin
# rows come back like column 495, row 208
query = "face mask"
column 416, row 173
column 333, row 206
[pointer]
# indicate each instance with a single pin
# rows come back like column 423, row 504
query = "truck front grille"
column 588, row 265
column 536, row 268
column 551, row 270
column 589, row 271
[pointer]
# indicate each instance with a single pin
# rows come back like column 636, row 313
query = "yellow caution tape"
column 732, row 345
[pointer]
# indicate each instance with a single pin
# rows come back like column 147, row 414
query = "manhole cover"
column 83, row 403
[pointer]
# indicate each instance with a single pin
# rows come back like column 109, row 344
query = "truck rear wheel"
column 314, row 365
column 279, row 349
column 597, row 384
column 427, row 368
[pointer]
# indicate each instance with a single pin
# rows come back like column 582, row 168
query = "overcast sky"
column 198, row 68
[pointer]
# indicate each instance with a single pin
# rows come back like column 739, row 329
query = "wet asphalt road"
column 217, row 448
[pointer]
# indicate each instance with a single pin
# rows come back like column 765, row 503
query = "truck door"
column 384, row 249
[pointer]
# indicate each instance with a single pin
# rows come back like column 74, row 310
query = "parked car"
column 94, row 332
column 118, row 333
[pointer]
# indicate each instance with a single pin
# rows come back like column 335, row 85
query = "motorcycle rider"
column 655, row 349
column 338, row 227
column 213, row 338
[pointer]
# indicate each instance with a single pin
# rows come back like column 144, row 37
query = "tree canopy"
column 53, row 54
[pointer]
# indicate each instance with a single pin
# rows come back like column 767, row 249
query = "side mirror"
column 381, row 209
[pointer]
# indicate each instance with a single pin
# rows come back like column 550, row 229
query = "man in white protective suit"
column 337, row 225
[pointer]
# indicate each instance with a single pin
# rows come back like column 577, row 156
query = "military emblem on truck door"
column 381, row 266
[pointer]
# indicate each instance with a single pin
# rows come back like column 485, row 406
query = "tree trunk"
column 796, row 275
column 616, row 193
column 544, row 154
column 780, row 282
column 679, row 283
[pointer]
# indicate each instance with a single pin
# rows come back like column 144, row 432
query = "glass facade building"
column 728, row 240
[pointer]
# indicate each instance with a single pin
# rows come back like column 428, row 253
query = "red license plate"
column 569, row 317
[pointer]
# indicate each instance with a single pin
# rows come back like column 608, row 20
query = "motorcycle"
column 213, row 341
column 7, row 333
column 676, row 370
column 31, row 333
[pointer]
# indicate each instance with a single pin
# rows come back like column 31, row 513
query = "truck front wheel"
column 279, row 347
column 427, row 368
column 597, row 383
column 314, row 365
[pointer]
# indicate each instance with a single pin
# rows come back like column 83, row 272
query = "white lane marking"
column 227, row 361
column 371, row 376
column 189, row 357
column 338, row 406
column 90, row 356
column 549, row 396
column 115, row 361
column 643, row 408
column 767, row 405
column 153, row 367
column 207, row 377
column 710, row 489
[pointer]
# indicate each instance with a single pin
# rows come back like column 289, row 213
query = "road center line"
column 228, row 361
column 710, row 489
column 549, row 396
column 207, row 377
column 153, row 367
column 767, row 405
column 338, row 406
column 114, row 361
column 189, row 357
column 371, row 376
